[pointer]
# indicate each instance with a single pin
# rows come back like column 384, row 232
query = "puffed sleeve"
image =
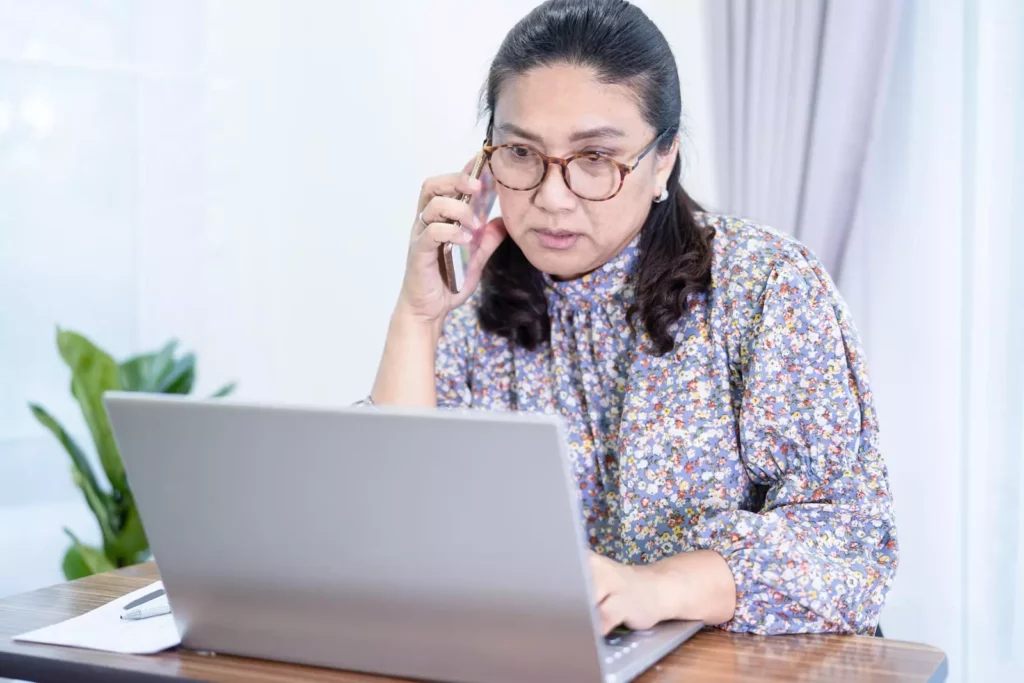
column 821, row 553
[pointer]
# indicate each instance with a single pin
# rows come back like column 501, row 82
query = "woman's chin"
column 560, row 263
column 559, row 266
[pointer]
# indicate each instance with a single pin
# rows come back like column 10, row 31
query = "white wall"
column 305, row 254
column 77, row 82
column 240, row 174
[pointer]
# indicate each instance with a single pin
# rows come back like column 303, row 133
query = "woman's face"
column 562, row 110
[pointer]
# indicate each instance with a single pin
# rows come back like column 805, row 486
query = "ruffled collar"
column 609, row 283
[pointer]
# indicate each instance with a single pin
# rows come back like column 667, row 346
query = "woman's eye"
column 520, row 152
column 595, row 157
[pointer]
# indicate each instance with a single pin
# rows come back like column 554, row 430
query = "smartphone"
column 451, row 259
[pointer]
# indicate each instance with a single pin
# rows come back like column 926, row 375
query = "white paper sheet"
column 104, row 629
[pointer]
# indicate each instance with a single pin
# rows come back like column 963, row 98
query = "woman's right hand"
column 440, row 218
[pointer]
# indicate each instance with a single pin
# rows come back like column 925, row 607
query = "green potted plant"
column 93, row 372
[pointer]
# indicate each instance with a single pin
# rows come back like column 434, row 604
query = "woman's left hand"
column 626, row 594
column 695, row 585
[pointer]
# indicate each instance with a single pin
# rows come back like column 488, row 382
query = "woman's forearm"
column 405, row 376
column 697, row 585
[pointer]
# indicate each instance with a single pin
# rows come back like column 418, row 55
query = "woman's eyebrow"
column 600, row 132
column 513, row 129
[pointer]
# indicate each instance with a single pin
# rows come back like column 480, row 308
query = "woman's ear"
column 665, row 163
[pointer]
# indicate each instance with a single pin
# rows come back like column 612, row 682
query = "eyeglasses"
column 589, row 175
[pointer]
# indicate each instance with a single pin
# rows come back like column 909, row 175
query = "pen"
column 146, row 612
column 145, row 598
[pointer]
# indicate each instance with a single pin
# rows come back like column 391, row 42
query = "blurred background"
column 241, row 175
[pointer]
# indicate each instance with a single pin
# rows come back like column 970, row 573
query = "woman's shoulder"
column 747, row 256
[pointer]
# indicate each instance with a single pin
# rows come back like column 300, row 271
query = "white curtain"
column 798, row 87
column 993, row 360
column 921, row 179
column 935, row 275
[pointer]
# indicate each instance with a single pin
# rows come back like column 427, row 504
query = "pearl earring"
column 661, row 197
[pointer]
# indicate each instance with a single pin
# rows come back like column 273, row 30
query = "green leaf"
column 130, row 543
column 181, row 377
column 224, row 390
column 94, row 372
column 147, row 371
column 99, row 500
column 99, row 503
column 89, row 485
column 74, row 564
column 82, row 560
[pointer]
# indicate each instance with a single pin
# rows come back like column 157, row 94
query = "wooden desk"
column 713, row 656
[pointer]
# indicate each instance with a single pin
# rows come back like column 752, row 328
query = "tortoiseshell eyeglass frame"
column 563, row 163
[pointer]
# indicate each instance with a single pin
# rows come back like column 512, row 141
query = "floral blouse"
column 756, row 437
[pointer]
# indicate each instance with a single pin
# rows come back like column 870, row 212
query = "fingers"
column 486, row 241
column 621, row 598
column 443, row 220
column 447, row 186
column 441, row 233
column 490, row 238
column 447, row 210
column 612, row 613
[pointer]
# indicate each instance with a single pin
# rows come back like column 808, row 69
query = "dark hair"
column 623, row 46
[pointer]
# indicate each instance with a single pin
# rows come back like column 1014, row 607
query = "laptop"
column 427, row 544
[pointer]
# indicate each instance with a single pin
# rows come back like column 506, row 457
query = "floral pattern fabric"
column 756, row 437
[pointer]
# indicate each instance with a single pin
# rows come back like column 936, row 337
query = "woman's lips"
column 556, row 239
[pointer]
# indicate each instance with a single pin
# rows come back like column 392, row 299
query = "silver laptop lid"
column 429, row 544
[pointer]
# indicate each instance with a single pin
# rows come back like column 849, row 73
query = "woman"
column 722, row 430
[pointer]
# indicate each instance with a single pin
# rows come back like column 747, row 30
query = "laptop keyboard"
column 620, row 644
